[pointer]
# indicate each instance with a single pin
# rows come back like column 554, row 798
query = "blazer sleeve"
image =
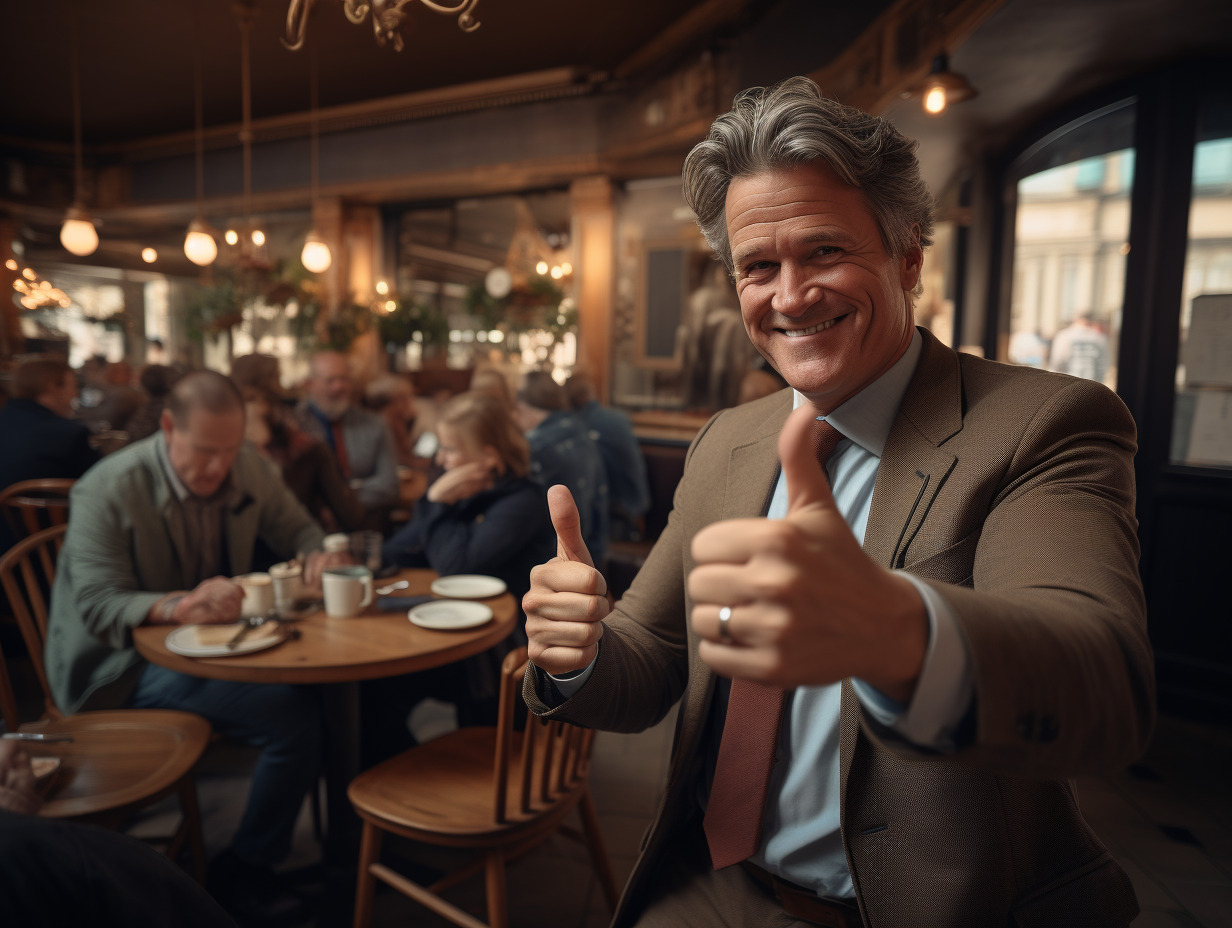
column 1053, row 615
column 381, row 487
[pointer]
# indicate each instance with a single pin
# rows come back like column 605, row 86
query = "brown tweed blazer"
column 1011, row 491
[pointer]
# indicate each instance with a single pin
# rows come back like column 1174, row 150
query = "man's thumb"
column 807, row 483
column 568, row 525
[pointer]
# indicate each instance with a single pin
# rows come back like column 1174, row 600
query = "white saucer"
column 449, row 615
column 185, row 641
column 468, row 586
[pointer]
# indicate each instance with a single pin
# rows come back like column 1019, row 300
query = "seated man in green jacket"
column 156, row 530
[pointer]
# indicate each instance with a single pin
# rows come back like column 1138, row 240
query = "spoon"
column 386, row 590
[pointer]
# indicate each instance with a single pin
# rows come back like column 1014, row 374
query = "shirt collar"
column 866, row 418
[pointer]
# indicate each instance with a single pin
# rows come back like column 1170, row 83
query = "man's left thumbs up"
column 806, row 605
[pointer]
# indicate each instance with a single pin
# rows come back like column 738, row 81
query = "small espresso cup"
column 347, row 590
column 258, row 594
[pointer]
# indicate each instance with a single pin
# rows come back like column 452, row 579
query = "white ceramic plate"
column 448, row 615
column 468, row 586
column 186, row 640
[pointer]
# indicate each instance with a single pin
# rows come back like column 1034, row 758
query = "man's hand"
column 215, row 601
column 461, row 482
column 18, row 791
column 317, row 561
column 567, row 597
column 808, row 606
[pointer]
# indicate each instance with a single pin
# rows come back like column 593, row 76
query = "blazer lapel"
column 752, row 472
column 912, row 471
column 913, row 465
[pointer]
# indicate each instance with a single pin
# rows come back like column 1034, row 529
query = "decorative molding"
column 893, row 54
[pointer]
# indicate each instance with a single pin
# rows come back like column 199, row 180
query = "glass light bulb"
column 934, row 100
column 382, row 287
column 199, row 246
column 557, row 273
column 79, row 237
column 232, row 237
column 149, row 255
column 258, row 237
column 541, row 267
column 315, row 257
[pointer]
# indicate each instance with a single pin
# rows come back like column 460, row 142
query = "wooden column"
column 11, row 340
column 593, row 250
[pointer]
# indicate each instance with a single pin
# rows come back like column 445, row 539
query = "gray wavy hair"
column 790, row 124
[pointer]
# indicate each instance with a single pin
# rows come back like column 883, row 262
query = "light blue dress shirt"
column 801, row 841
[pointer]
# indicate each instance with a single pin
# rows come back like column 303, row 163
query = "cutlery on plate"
column 247, row 624
column 386, row 590
column 38, row 736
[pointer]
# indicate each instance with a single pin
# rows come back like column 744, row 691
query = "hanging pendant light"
column 315, row 256
column 78, row 234
column 943, row 87
column 199, row 245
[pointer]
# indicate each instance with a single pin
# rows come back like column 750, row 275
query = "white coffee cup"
column 287, row 578
column 347, row 590
column 258, row 594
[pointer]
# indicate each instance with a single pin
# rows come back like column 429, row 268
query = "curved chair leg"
column 365, row 886
column 598, row 851
column 191, row 813
column 498, row 901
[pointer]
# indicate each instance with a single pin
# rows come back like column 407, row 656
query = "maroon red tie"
column 737, row 803
column 340, row 450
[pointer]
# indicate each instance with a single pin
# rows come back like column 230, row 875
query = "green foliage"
column 215, row 308
column 537, row 305
column 408, row 318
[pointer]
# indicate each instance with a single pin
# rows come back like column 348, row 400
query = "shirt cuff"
column 570, row 683
column 943, row 691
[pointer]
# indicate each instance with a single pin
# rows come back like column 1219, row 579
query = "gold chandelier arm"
column 297, row 24
column 356, row 10
column 466, row 19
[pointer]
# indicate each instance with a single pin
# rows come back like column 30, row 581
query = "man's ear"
column 912, row 262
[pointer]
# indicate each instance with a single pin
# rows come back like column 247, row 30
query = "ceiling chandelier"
column 387, row 16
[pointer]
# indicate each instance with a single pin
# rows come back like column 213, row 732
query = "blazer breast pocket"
column 952, row 564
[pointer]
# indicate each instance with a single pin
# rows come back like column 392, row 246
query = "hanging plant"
column 536, row 305
column 400, row 325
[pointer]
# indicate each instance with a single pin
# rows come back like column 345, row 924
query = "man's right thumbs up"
column 570, row 545
column 567, row 600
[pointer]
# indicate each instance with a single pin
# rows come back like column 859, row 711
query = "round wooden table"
column 343, row 652
column 370, row 645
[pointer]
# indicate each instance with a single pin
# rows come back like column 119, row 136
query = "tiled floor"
column 1168, row 820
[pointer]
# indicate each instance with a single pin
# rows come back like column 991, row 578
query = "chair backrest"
column 27, row 571
column 32, row 505
column 549, row 760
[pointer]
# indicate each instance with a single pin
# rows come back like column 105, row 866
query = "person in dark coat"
column 484, row 515
column 37, row 429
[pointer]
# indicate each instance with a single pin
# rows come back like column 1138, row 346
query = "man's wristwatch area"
column 167, row 610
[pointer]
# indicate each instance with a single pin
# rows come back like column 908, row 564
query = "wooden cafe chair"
column 495, row 791
column 32, row 505
column 119, row 761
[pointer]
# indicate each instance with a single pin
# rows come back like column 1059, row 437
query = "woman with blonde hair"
column 484, row 515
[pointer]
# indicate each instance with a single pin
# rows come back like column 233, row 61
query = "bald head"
column 208, row 390
column 204, row 428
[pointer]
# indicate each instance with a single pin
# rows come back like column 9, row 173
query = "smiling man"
column 898, row 604
column 155, row 532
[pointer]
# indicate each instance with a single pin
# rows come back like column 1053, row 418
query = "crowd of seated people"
column 223, row 465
